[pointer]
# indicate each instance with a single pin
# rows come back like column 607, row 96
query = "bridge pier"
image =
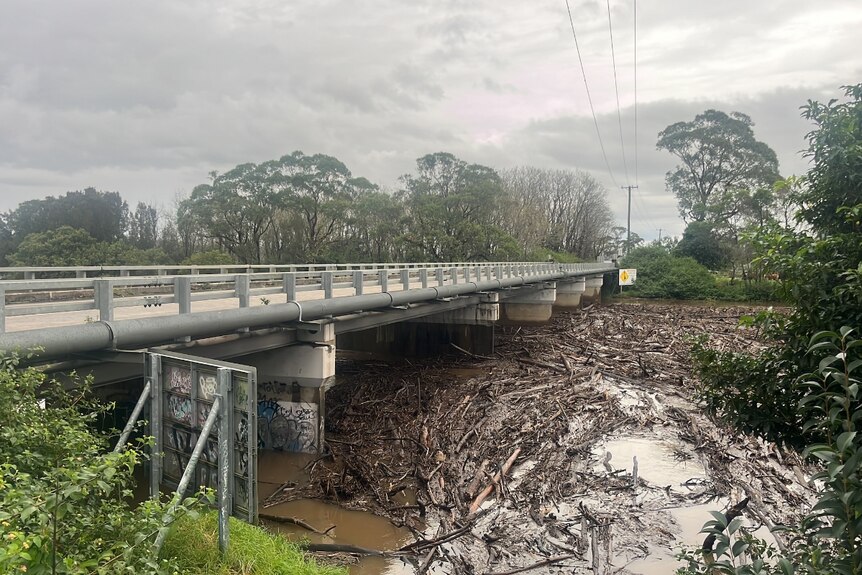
column 593, row 290
column 535, row 306
column 291, row 394
column 569, row 292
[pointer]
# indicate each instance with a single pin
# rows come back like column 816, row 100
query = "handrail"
column 106, row 294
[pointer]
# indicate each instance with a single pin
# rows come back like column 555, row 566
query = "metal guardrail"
column 129, row 289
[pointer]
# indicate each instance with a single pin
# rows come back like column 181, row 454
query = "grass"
column 193, row 542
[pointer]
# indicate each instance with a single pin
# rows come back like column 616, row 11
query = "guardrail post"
column 104, row 295
column 383, row 278
column 242, row 289
column 405, row 279
column 289, row 285
column 441, row 276
column 326, row 284
column 453, row 275
column 423, row 277
column 80, row 274
column 29, row 275
column 358, row 280
column 183, row 293
column 2, row 309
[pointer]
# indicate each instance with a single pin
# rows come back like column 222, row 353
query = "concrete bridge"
column 163, row 335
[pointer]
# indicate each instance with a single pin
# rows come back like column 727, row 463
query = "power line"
column 617, row 90
column 589, row 98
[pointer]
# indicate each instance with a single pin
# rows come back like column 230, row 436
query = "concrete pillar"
column 569, row 292
column 593, row 289
column 535, row 306
column 291, row 393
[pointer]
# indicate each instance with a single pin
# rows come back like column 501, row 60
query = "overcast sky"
column 146, row 98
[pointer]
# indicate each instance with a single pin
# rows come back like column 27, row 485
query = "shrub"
column 662, row 275
column 64, row 499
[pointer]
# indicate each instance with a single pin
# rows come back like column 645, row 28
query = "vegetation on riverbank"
column 193, row 545
column 66, row 500
column 804, row 390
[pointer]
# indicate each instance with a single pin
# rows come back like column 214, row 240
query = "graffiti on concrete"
column 179, row 379
column 287, row 425
column 180, row 409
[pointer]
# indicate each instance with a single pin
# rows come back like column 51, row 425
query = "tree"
column 65, row 246
column 103, row 215
column 236, row 210
column 453, row 211
column 144, row 226
column 562, row 210
column 835, row 180
column 319, row 191
column 700, row 242
column 721, row 162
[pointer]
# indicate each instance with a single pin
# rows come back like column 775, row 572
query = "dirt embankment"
column 573, row 407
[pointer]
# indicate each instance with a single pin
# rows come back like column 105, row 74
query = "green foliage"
column 64, row 246
column 64, row 500
column 735, row 552
column 821, row 273
column 253, row 551
column 67, row 246
column 756, row 382
column 721, row 162
column 826, row 541
column 835, row 148
column 103, row 215
column 451, row 209
column 663, row 275
column 209, row 258
column 700, row 243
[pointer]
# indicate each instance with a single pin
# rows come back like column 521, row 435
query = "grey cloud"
column 146, row 98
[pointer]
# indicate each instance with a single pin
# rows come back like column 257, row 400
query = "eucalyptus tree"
column 452, row 210
column 317, row 194
column 721, row 163
column 236, row 210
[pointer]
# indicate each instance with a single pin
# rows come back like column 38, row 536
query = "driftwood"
column 494, row 482
column 548, row 561
column 294, row 521
column 341, row 548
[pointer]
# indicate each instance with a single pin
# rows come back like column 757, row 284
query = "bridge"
column 162, row 335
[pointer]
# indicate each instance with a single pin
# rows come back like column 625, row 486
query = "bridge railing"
column 30, row 297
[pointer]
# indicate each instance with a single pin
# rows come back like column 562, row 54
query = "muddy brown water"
column 288, row 471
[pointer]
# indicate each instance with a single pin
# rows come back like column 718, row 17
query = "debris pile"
column 577, row 447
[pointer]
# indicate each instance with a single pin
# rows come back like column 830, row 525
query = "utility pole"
column 629, row 219
column 659, row 235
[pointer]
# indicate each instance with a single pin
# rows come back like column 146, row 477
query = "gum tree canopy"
column 722, row 163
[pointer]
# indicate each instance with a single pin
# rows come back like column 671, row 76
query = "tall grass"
column 252, row 550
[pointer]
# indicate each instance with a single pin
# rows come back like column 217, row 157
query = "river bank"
column 527, row 458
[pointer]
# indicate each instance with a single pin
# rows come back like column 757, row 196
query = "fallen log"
column 494, row 482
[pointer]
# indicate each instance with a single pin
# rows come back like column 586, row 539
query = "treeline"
column 312, row 209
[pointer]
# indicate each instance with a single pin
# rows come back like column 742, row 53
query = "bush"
column 662, row 275
column 65, row 501
column 209, row 258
